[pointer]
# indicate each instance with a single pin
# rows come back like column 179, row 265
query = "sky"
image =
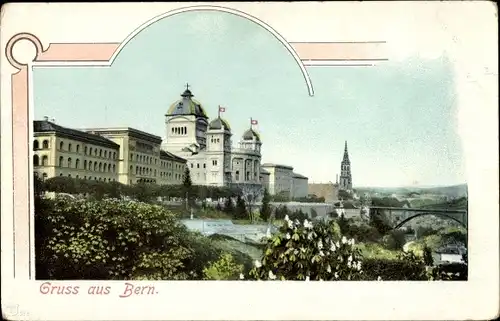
column 399, row 117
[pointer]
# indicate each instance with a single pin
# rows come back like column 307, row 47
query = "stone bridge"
column 403, row 215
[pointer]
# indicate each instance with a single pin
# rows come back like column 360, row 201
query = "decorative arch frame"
column 363, row 53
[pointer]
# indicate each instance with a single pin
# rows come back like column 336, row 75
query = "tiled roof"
column 42, row 126
column 165, row 154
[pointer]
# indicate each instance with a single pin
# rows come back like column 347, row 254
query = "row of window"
column 44, row 177
column 179, row 130
column 143, row 159
column 168, row 175
column 87, row 150
column 145, row 171
column 95, row 166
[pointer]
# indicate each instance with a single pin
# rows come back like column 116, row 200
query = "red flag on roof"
column 254, row 122
column 222, row 109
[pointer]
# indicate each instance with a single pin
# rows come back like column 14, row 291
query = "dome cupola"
column 219, row 123
column 187, row 106
column 250, row 134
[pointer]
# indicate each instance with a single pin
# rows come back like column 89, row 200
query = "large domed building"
column 207, row 145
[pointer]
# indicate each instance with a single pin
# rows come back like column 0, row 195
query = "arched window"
column 69, row 162
column 36, row 144
column 95, row 178
column 100, row 152
column 45, row 144
column 136, row 170
column 85, row 150
column 105, row 153
column 173, row 130
column 36, row 160
column 85, row 164
column 61, row 161
column 61, row 145
column 69, row 147
column 95, row 166
column 154, row 173
column 131, row 169
column 45, row 160
column 109, row 167
column 77, row 177
column 69, row 175
column 60, row 174
column 77, row 148
column 90, row 151
column 95, row 151
column 100, row 167
column 237, row 175
column 114, row 168
column 100, row 179
column 44, row 176
column 77, row 163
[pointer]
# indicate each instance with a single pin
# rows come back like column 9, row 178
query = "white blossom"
column 320, row 244
column 336, row 275
column 307, row 224
column 271, row 275
column 344, row 240
column 379, row 279
column 309, row 236
column 348, row 264
column 321, row 253
column 358, row 265
column 307, row 278
column 337, row 244
column 287, row 236
column 351, row 241
column 296, row 222
column 287, row 218
column 349, row 259
column 242, row 276
column 333, row 247
column 329, row 269
column 257, row 264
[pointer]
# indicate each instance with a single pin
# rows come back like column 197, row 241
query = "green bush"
column 306, row 252
column 406, row 267
column 450, row 272
column 395, row 240
column 108, row 239
column 223, row 269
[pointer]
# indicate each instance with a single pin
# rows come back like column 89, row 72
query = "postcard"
column 244, row 161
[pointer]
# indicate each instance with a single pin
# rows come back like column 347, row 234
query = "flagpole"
column 251, row 123
column 219, row 111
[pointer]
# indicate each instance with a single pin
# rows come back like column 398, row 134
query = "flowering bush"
column 301, row 251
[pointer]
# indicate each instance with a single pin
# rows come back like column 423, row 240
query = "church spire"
column 346, row 153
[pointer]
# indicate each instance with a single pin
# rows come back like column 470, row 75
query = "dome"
column 219, row 123
column 187, row 106
column 250, row 134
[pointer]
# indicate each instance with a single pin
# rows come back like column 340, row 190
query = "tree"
column 427, row 255
column 251, row 194
column 229, row 206
column 187, row 184
column 265, row 209
column 241, row 209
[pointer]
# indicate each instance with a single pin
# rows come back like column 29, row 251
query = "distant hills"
column 453, row 191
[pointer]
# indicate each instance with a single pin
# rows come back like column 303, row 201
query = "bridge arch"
column 400, row 224
column 227, row 10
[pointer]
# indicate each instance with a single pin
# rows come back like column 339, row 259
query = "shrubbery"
column 114, row 239
column 306, row 252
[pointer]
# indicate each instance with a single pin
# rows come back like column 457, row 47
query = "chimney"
column 46, row 118
column 337, row 179
column 53, row 120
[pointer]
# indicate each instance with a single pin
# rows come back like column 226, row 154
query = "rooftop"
column 121, row 130
column 165, row 154
column 277, row 166
column 42, row 126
